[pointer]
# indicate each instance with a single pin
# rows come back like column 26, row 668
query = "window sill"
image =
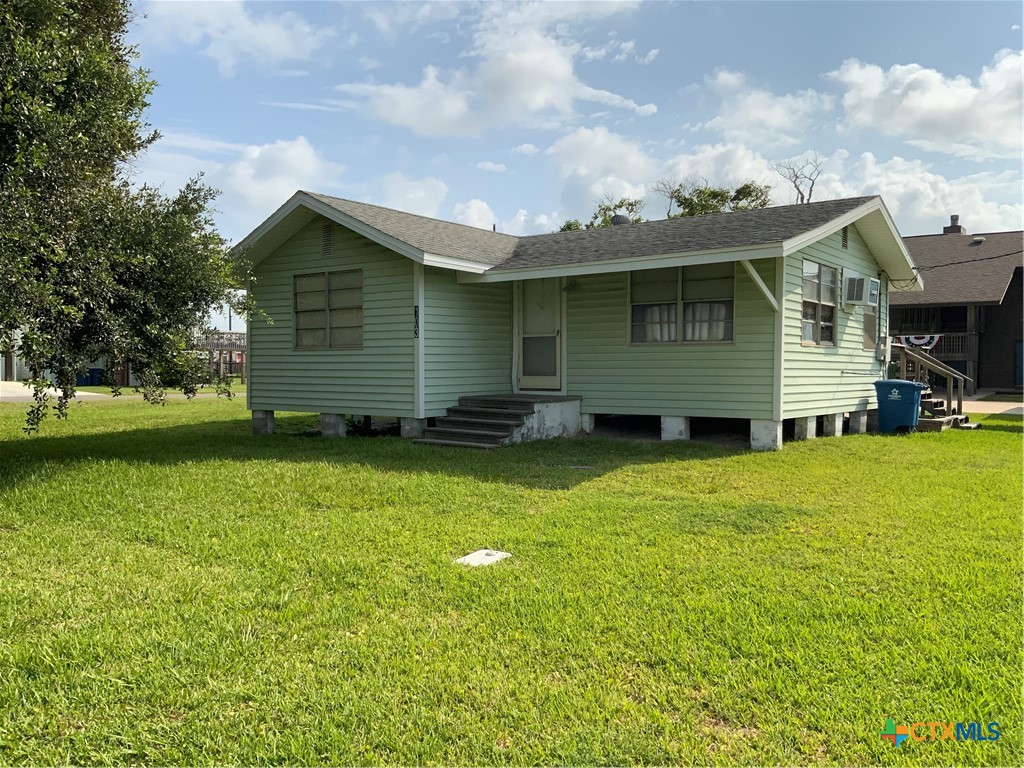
column 729, row 343
column 815, row 344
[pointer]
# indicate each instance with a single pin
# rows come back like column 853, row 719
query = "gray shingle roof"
column 982, row 281
column 505, row 252
column 444, row 238
column 689, row 233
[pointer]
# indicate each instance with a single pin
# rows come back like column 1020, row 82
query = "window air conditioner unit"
column 859, row 290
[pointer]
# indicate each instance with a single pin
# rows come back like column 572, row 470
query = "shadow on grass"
column 549, row 464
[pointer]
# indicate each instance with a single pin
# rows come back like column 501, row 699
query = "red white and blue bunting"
column 920, row 342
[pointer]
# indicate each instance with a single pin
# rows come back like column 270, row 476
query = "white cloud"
column 475, row 213
column 487, row 165
column 595, row 162
column 526, row 149
column 432, row 108
column 422, row 196
column 524, row 74
column 650, row 56
column 266, row 175
column 1015, row 28
column 951, row 115
column 920, row 199
column 367, row 62
column 394, row 17
column 756, row 116
column 253, row 179
column 231, row 33
column 724, row 164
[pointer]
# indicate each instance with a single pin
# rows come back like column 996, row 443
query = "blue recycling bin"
column 899, row 404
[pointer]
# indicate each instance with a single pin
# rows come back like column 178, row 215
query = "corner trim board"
column 419, row 347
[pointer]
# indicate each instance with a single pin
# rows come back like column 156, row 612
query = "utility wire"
column 900, row 285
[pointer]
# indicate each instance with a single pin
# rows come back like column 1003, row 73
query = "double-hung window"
column 688, row 304
column 329, row 310
column 819, row 305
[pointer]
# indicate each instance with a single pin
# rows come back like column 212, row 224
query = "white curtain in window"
column 704, row 322
column 659, row 323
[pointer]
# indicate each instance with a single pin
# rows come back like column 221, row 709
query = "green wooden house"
column 475, row 337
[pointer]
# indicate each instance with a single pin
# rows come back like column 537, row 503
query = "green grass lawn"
column 174, row 590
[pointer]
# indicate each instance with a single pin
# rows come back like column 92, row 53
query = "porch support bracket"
column 772, row 301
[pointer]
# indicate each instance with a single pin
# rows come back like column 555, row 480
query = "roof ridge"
column 774, row 208
column 407, row 213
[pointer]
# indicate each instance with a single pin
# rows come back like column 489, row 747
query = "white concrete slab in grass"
column 483, row 557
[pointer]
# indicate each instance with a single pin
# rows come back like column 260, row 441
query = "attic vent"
column 327, row 241
column 846, row 237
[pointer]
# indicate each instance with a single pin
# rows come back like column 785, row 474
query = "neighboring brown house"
column 972, row 297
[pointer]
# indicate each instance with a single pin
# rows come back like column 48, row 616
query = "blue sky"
column 522, row 115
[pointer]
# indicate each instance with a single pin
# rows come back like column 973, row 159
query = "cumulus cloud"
column 231, row 33
column 264, row 176
column 722, row 164
column 487, row 165
column 422, row 196
column 952, row 115
column 524, row 74
column 594, row 163
column 761, row 117
column 475, row 213
column 921, row 199
column 254, row 179
column 526, row 149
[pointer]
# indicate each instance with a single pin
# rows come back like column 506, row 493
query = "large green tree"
column 697, row 197
column 92, row 266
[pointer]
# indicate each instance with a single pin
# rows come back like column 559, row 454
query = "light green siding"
column 725, row 380
column 821, row 380
column 467, row 339
column 376, row 380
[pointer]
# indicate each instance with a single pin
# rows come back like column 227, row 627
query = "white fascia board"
column 268, row 224
column 814, row 235
column 687, row 258
column 460, row 265
column 875, row 205
column 301, row 199
column 364, row 229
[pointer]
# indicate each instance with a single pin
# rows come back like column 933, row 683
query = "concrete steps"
column 479, row 421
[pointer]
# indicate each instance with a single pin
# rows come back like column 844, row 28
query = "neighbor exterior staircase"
column 936, row 415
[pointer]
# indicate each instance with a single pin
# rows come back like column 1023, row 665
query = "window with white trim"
column 329, row 310
column 687, row 304
column 818, row 324
column 870, row 327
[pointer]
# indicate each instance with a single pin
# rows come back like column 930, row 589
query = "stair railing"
column 923, row 362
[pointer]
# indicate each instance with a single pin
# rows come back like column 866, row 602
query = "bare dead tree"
column 801, row 173
column 666, row 187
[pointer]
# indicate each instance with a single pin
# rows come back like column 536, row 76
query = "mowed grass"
column 174, row 590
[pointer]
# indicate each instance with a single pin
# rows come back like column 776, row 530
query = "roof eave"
column 259, row 243
column 889, row 250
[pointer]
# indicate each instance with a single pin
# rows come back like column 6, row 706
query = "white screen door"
column 540, row 358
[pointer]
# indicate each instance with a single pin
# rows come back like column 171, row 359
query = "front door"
column 540, row 334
